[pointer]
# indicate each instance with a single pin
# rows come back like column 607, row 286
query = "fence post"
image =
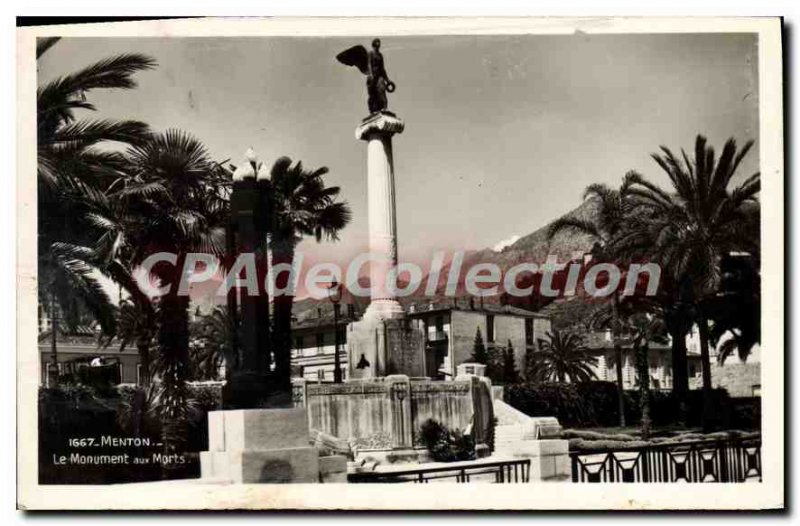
column 724, row 448
column 399, row 391
column 574, row 468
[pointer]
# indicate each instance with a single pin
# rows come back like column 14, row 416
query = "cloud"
column 506, row 242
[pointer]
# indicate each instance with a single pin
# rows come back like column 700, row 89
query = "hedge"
column 594, row 404
column 575, row 405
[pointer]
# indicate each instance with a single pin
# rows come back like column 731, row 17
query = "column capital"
column 385, row 122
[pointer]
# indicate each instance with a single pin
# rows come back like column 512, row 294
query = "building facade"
column 449, row 338
column 314, row 343
column 739, row 378
column 80, row 348
column 450, row 333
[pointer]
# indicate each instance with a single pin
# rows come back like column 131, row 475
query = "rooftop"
column 510, row 310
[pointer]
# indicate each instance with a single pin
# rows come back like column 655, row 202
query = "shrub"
column 446, row 445
column 572, row 405
column 594, row 404
column 745, row 413
column 664, row 408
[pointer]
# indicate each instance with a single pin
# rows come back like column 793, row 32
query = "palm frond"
column 88, row 132
column 45, row 43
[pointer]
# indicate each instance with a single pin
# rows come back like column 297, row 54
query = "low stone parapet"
column 521, row 436
column 549, row 458
column 265, row 446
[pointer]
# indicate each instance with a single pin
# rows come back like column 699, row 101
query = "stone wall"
column 387, row 413
column 736, row 377
column 448, row 402
column 359, row 412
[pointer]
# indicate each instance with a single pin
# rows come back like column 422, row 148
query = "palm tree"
column 604, row 229
column 562, row 358
column 689, row 230
column 73, row 168
column 170, row 201
column 645, row 328
column 136, row 324
column 736, row 309
column 211, row 343
column 641, row 320
column 67, row 147
column 304, row 206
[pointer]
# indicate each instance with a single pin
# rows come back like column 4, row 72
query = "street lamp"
column 335, row 295
column 251, row 157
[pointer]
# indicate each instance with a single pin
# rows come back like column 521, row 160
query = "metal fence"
column 699, row 461
column 494, row 472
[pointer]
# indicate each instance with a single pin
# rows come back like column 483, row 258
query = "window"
column 138, row 374
column 320, row 374
column 298, row 343
column 439, row 321
column 490, row 327
column 528, row 331
column 320, row 341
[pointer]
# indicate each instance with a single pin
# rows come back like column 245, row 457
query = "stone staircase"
column 518, row 435
column 514, row 426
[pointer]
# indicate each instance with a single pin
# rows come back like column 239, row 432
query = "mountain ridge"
column 534, row 247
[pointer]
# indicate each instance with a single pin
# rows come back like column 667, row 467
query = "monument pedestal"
column 381, row 347
column 260, row 446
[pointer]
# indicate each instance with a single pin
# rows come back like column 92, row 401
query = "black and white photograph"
column 257, row 256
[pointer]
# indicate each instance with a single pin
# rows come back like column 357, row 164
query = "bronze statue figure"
column 370, row 63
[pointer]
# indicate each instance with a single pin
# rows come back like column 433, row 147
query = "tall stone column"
column 384, row 341
column 377, row 130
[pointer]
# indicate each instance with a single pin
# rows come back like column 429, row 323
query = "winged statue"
column 371, row 64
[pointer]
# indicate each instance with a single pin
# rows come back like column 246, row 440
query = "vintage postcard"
column 317, row 263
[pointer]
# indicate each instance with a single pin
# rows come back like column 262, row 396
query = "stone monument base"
column 384, row 346
column 549, row 458
column 265, row 446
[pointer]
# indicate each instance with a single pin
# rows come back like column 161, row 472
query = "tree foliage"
column 479, row 352
column 561, row 358
column 75, row 166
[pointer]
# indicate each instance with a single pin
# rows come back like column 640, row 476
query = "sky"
column 503, row 133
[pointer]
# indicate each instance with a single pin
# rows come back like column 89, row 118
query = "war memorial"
column 370, row 424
